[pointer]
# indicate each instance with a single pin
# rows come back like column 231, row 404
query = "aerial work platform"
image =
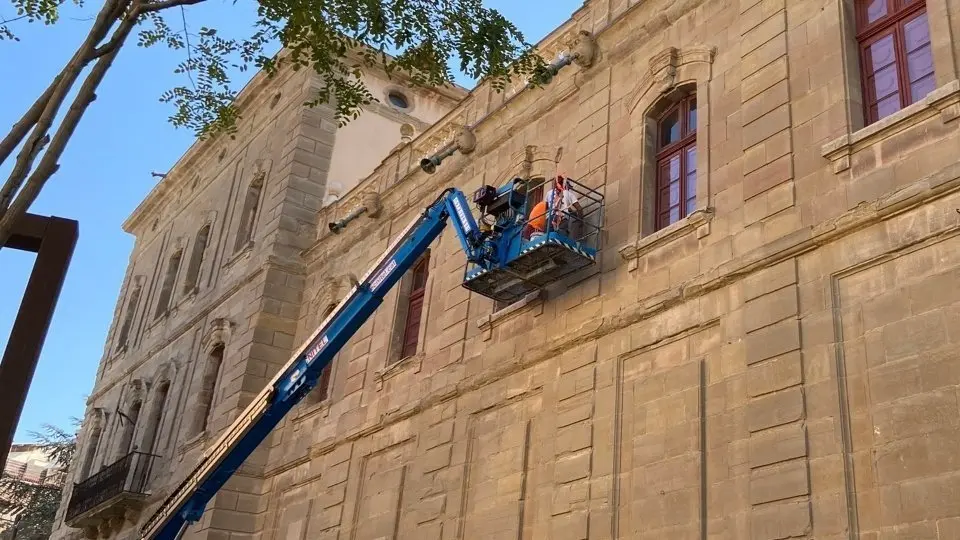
column 538, row 243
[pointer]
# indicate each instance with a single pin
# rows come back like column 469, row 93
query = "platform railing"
column 582, row 226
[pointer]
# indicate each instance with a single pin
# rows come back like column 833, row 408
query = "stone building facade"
column 767, row 347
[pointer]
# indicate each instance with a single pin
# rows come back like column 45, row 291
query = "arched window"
column 414, row 307
column 93, row 444
column 131, row 310
column 676, row 157
column 248, row 216
column 155, row 419
column 128, row 422
column 192, row 283
column 896, row 57
column 208, row 386
column 322, row 390
column 169, row 279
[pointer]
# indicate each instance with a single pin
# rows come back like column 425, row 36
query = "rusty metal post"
column 53, row 240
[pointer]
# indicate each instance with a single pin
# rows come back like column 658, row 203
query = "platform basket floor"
column 533, row 269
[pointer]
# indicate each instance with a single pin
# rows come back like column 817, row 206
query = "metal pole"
column 53, row 240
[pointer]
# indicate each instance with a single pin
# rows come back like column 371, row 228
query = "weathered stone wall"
column 242, row 293
column 780, row 363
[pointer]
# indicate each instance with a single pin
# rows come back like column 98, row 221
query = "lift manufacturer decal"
column 378, row 280
column 315, row 350
column 461, row 214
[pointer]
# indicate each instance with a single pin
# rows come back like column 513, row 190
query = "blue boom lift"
column 510, row 254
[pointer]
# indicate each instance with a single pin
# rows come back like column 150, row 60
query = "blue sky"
column 105, row 173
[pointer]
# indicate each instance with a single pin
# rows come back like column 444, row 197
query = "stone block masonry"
column 778, row 362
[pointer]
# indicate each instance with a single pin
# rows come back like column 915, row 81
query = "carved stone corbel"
column 219, row 331
column 584, row 49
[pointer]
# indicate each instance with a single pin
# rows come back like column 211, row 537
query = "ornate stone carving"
column 219, row 331
column 671, row 67
column 371, row 201
column 406, row 133
column 584, row 49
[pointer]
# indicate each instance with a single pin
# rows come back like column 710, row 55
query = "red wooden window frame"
column 411, row 326
column 684, row 147
column 892, row 26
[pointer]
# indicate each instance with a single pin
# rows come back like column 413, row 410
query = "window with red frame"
column 411, row 328
column 896, row 57
column 677, row 162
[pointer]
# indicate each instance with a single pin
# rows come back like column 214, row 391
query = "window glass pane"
column 674, row 170
column 916, row 32
column 888, row 106
column 920, row 63
column 885, row 83
column 690, row 182
column 875, row 10
column 882, row 53
column 670, row 128
column 674, row 193
column 920, row 89
column 691, row 206
column 674, row 214
column 691, row 160
column 692, row 116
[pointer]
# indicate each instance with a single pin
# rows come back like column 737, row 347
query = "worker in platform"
column 564, row 217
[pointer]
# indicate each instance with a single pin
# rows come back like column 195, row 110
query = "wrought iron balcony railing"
column 128, row 475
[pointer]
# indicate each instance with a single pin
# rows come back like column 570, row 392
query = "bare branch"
column 8, row 21
column 41, row 117
column 164, row 4
column 48, row 164
column 22, row 127
column 186, row 37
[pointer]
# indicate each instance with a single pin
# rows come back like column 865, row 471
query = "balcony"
column 110, row 496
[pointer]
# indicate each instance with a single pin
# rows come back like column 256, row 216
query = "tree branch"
column 48, row 164
column 22, row 127
column 43, row 112
column 164, row 4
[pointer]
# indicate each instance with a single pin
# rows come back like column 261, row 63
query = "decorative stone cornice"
column 943, row 101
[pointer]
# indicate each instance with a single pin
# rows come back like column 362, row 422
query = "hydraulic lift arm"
column 187, row 502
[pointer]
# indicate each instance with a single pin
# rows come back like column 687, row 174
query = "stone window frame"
column 128, row 315
column 398, row 320
column 944, row 63
column 165, row 375
column 893, row 26
column 673, row 73
column 218, row 334
column 135, row 399
column 330, row 293
column 943, row 100
column 205, row 260
column 92, row 444
column 406, row 93
column 258, row 180
column 177, row 248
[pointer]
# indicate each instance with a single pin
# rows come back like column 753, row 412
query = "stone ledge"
column 487, row 322
column 944, row 101
column 386, row 373
column 699, row 220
